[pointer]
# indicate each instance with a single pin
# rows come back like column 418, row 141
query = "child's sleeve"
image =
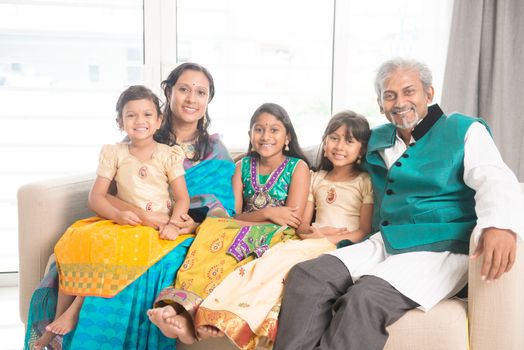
column 311, row 196
column 175, row 163
column 367, row 190
column 107, row 162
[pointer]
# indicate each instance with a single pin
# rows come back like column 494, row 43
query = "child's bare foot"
column 158, row 315
column 44, row 340
column 206, row 331
column 173, row 325
column 66, row 322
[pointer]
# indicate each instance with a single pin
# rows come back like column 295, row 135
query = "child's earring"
column 253, row 148
column 287, row 147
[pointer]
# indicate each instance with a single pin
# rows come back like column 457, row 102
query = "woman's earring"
column 253, row 149
column 287, row 147
column 359, row 160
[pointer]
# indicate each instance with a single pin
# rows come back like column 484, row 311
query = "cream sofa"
column 494, row 312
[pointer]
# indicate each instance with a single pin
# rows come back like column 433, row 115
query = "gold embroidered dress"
column 222, row 244
column 97, row 257
column 245, row 306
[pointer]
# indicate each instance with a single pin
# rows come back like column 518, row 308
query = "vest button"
column 398, row 164
column 385, row 223
column 389, row 192
column 391, row 181
column 405, row 155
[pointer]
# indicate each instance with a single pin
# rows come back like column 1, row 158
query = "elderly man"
column 437, row 180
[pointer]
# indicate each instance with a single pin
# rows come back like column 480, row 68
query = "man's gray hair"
column 405, row 64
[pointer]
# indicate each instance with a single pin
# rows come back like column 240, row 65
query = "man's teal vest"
column 422, row 202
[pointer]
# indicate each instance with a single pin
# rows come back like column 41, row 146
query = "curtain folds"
column 484, row 74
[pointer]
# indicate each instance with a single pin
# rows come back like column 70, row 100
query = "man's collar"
column 434, row 114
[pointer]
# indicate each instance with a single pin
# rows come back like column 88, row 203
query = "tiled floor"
column 11, row 328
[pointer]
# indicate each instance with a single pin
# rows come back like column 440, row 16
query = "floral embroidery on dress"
column 189, row 261
column 331, row 195
column 210, row 287
column 186, row 284
column 142, row 172
column 216, row 271
column 217, row 244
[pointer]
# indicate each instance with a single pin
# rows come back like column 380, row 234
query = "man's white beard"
column 405, row 123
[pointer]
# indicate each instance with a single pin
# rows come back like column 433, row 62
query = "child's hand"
column 284, row 216
column 169, row 231
column 155, row 220
column 185, row 224
column 328, row 232
column 331, row 231
column 126, row 217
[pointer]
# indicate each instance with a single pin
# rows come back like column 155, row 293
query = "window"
column 370, row 32
column 62, row 66
column 265, row 51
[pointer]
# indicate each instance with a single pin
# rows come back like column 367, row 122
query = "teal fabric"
column 120, row 322
column 422, row 202
column 209, row 184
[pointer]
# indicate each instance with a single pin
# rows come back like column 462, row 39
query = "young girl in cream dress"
column 100, row 256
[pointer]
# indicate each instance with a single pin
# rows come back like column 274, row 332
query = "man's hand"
column 499, row 249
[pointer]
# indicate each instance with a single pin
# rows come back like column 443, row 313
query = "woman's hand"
column 126, row 217
column 185, row 224
column 169, row 231
column 284, row 216
column 155, row 220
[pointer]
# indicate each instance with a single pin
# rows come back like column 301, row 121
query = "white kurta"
column 429, row 277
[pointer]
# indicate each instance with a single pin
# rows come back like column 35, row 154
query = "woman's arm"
column 100, row 204
column 291, row 213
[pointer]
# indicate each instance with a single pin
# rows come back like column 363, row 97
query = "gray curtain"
column 484, row 74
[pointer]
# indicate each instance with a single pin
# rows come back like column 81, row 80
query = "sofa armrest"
column 496, row 309
column 45, row 210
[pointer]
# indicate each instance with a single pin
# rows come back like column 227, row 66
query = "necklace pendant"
column 261, row 200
